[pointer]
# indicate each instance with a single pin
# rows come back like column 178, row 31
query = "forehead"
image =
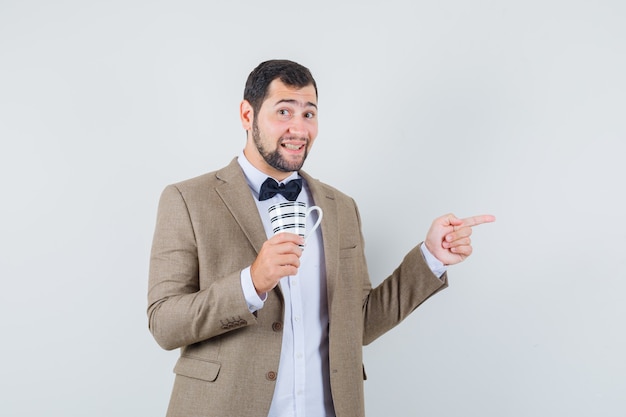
column 278, row 92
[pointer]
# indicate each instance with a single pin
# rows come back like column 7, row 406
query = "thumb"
column 452, row 220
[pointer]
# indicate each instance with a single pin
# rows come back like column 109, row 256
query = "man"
column 265, row 327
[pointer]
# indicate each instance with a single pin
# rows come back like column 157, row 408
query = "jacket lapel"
column 324, row 197
column 236, row 195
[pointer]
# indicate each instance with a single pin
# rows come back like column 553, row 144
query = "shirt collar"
column 255, row 177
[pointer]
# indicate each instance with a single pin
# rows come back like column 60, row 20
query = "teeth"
column 292, row 147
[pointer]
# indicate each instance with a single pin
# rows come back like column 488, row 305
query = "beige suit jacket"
column 208, row 229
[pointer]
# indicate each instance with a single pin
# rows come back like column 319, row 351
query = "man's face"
column 284, row 129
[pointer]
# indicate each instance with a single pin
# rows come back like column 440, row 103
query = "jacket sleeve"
column 181, row 311
column 398, row 295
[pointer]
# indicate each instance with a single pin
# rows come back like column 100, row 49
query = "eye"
column 284, row 112
column 309, row 115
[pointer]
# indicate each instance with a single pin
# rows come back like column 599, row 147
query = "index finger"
column 476, row 220
column 282, row 237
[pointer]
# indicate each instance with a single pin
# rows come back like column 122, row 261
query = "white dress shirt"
column 303, row 382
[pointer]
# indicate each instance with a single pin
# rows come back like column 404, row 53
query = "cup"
column 291, row 217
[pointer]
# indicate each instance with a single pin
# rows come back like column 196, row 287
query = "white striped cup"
column 291, row 217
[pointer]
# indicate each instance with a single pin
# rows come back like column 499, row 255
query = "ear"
column 246, row 114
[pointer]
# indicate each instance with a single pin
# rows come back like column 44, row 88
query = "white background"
column 510, row 108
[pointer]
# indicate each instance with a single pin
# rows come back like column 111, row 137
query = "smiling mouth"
column 294, row 144
column 292, row 147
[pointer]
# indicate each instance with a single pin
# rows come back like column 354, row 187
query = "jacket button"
column 271, row 375
column 277, row 326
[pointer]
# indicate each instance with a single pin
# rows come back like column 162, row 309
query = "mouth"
column 294, row 146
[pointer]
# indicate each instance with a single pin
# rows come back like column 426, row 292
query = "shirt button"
column 277, row 326
column 271, row 375
column 296, row 319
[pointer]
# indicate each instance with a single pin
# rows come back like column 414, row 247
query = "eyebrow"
column 293, row 101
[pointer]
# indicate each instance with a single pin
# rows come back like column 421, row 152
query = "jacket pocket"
column 197, row 368
column 349, row 251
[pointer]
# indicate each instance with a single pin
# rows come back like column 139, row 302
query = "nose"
column 298, row 127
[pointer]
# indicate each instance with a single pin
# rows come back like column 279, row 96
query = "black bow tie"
column 290, row 191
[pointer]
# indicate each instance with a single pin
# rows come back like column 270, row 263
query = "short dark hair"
column 290, row 73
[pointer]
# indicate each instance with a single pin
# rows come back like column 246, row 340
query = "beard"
column 274, row 158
